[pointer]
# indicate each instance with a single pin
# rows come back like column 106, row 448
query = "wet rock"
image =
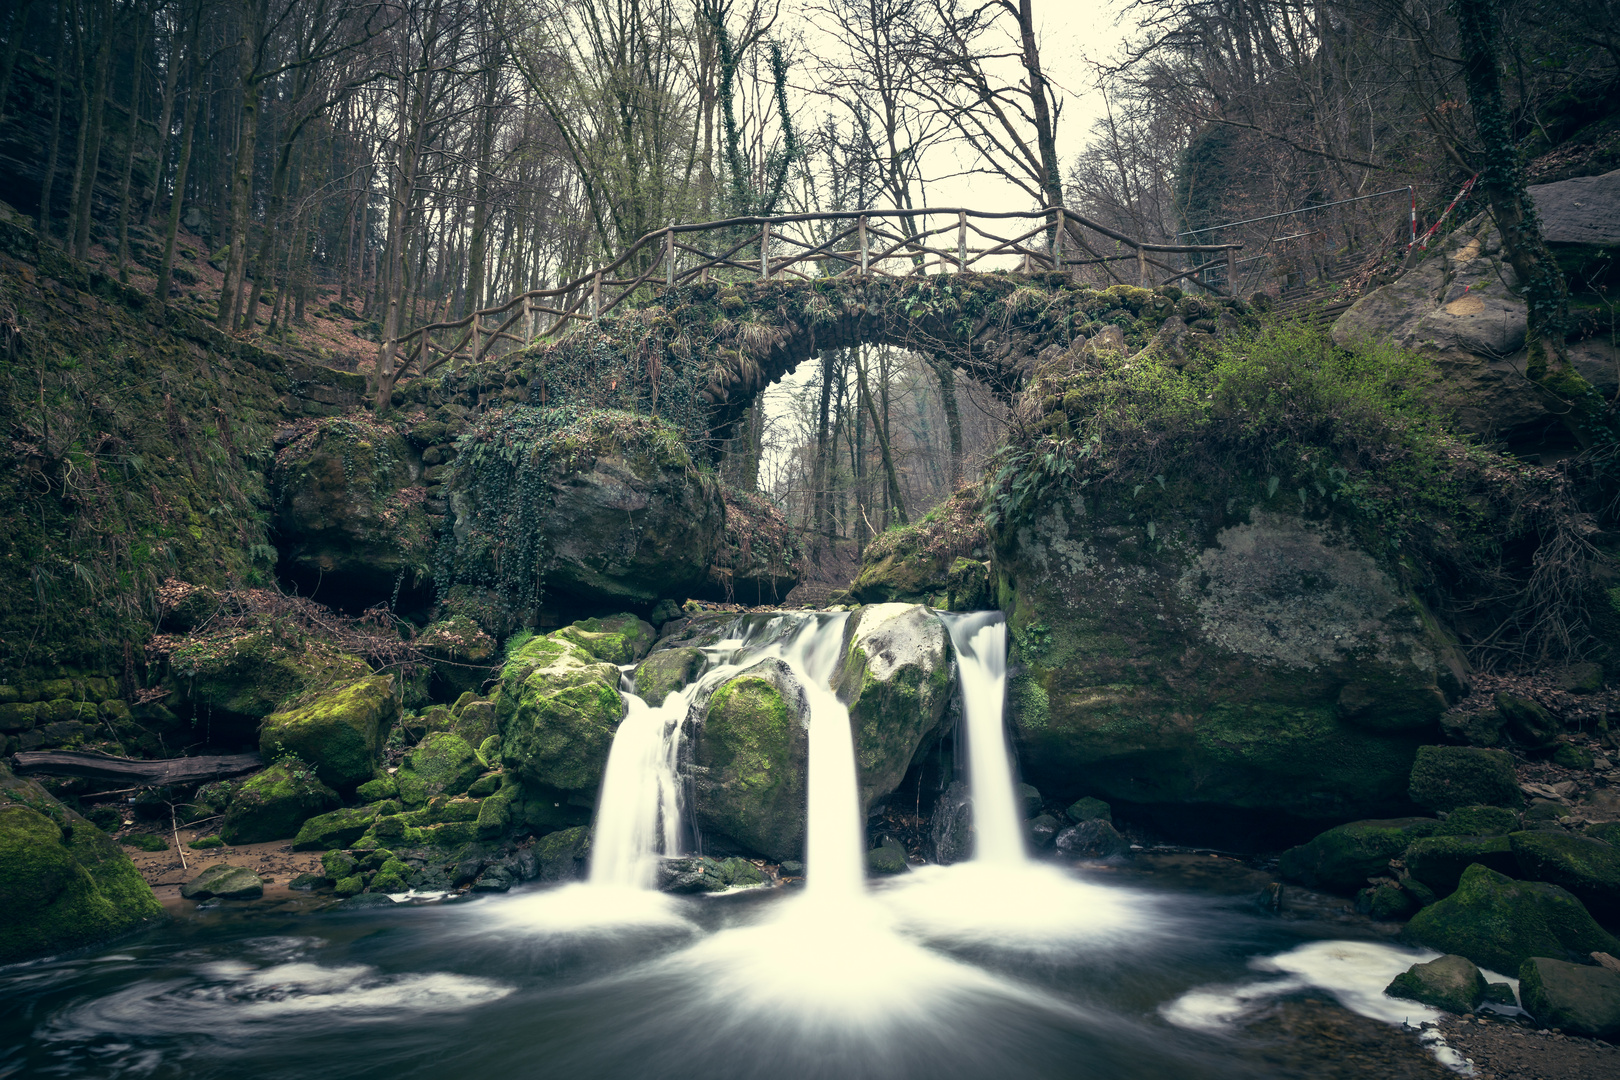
column 1449, row 777
column 1483, row 728
column 563, row 855
column 967, row 586
column 1439, row 861
column 441, row 763
column 750, row 758
column 63, row 883
column 275, row 803
column 1042, row 831
column 338, row 829
column 495, row 878
column 889, row 857
column 739, row 872
column 309, row 882
column 667, row 671
column 1576, row 998
column 339, row 731
column 616, row 639
column 1088, row 809
column 1386, row 901
column 691, row 875
column 1029, row 800
column 1451, row 983
column 463, row 656
column 1585, row 865
column 238, row 677
column 1343, row 858
column 895, row 678
column 224, row 882
column 1499, row 923
column 1570, row 756
column 1092, row 839
column 558, row 707
column 1479, row 821
column 952, row 829
column 1526, row 722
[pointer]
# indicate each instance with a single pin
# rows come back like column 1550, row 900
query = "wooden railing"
column 863, row 243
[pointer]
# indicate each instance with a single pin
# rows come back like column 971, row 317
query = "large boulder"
column 750, row 758
column 63, row 883
column 604, row 507
column 1448, row 777
column 1247, row 658
column 232, row 678
column 557, row 707
column 915, row 564
column 1585, row 865
column 895, row 676
column 667, row 671
column 338, row 829
column 1450, row 982
column 273, row 804
column 616, row 639
column 1344, row 857
column 1499, row 923
column 1577, row 998
column 441, row 764
column 340, row 731
column 225, row 882
column 349, row 509
column 1462, row 307
column 462, row 655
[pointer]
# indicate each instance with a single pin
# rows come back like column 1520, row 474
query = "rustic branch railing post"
column 669, row 256
column 527, row 333
column 422, row 353
column 861, row 228
column 1231, row 272
column 1141, row 267
column 1057, row 241
column 477, row 346
column 961, row 241
column 765, row 251
column 596, row 296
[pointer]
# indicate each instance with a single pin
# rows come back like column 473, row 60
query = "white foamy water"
column 834, row 847
column 980, row 641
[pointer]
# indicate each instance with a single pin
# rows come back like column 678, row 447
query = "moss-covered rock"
column 1344, row 857
column 1452, row 983
column 1087, row 808
column 929, row 562
column 889, row 857
column 558, row 708
column 895, row 678
column 225, row 882
column 563, row 855
column 1439, row 861
column 1448, row 777
column 442, row 763
column 273, row 804
column 338, row 829
column 1499, row 923
column 691, row 874
column 606, row 507
column 750, row 757
column 377, row 789
column 241, row 675
column 350, row 507
column 759, row 559
column 63, row 883
column 615, row 639
column 1264, row 663
column 1527, row 722
column 1585, row 865
column 339, row 731
column 1577, row 998
column 463, row 656
column 1387, row 901
column 667, row 671
column 1479, row 821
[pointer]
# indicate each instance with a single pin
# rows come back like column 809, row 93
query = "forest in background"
column 401, row 162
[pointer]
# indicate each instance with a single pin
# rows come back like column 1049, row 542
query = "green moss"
column 440, row 763
column 341, row 731
column 616, row 639
column 558, row 711
column 338, row 829
column 1439, row 861
column 1479, row 821
column 271, row 805
column 752, row 789
column 383, row 787
column 1499, row 923
column 147, row 842
column 1585, row 865
column 206, row 843
column 667, row 671
column 1452, row 983
column 1448, row 777
column 1343, row 858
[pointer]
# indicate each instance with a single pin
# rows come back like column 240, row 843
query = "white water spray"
column 980, row 641
column 833, row 835
column 640, row 813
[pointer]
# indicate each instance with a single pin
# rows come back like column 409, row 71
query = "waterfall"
column 980, row 641
column 834, row 848
column 640, row 812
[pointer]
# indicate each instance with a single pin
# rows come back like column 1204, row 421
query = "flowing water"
column 1002, row 966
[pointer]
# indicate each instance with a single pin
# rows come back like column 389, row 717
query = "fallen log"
column 186, row 770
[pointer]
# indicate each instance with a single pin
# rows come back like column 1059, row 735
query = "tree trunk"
column 188, row 126
column 241, row 191
column 818, row 476
column 92, row 142
column 43, row 223
column 892, row 478
column 19, row 23
column 129, row 156
column 953, row 418
column 160, row 156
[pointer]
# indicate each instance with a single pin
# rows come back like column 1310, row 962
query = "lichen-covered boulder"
column 340, row 731
column 895, row 676
column 889, row 857
column 604, row 507
column 1499, row 923
column 557, row 708
column 1585, row 865
column 442, row 763
column 563, row 855
column 1439, row 861
column 225, row 882
column 463, row 656
column 273, row 804
column 1183, row 652
column 750, row 758
column 615, row 639
column 237, row 676
column 1448, row 777
column 1577, row 998
column 63, row 883
column 667, row 671
column 338, row 829
column 1479, row 821
column 1462, row 307
column 1344, row 857
column 1451, row 982
column 349, row 508
column 923, row 563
